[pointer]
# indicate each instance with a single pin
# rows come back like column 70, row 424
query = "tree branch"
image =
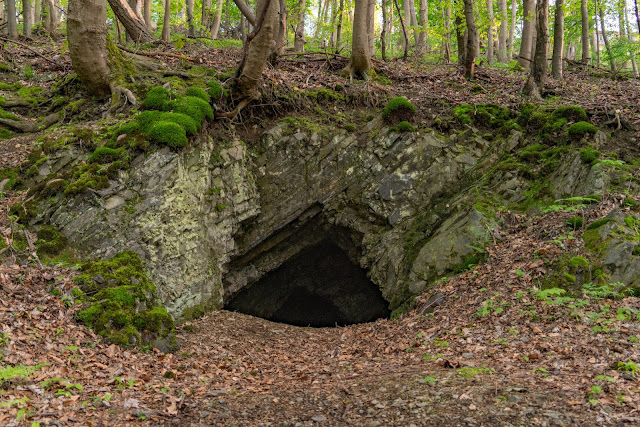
column 246, row 11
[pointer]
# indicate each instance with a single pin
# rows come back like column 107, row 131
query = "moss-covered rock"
column 147, row 119
column 123, row 308
column 398, row 109
column 215, row 90
column 196, row 108
column 50, row 241
column 589, row 155
column 168, row 133
column 581, row 128
column 599, row 223
column 105, row 155
column 198, row 93
column 573, row 113
column 156, row 98
column 403, row 127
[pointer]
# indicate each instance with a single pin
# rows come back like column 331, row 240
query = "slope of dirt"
column 530, row 363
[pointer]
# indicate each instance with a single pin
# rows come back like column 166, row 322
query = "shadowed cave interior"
column 319, row 286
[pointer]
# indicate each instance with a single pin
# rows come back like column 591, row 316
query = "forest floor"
column 493, row 352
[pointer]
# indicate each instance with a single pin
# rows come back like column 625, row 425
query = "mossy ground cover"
column 121, row 302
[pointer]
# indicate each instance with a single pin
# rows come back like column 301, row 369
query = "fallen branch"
column 10, row 104
column 30, row 49
column 166, row 54
column 29, row 127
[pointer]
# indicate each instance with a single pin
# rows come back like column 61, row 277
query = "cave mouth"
column 319, row 287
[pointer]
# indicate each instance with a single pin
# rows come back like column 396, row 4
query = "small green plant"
column 551, row 292
column 541, row 372
column 629, row 367
column 489, row 306
column 593, row 393
column 575, row 222
column 519, row 273
column 428, row 380
column 469, row 372
column 441, row 343
column 605, row 378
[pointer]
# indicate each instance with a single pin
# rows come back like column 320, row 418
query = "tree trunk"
column 166, row 29
column 190, row 23
column 461, row 39
column 512, row 28
column 371, row 21
column 360, row 62
column 584, row 13
column 472, row 35
column 447, row 34
column 423, row 33
column 414, row 22
column 606, row 39
column 298, row 43
column 637, row 14
column 490, row 32
column 215, row 27
column 87, row 36
column 131, row 21
column 147, row 15
column 405, row 42
column 597, row 36
column 11, row 19
column 504, row 28
column 37, row 12
column 280, row 32
column 339, row 26
column 205, row 20
column 249, row 73
column 634, row 64
column 528, row 29
column 316, row 32
column 558, row 41
column 406, row 13
column 26, row 17
column 383, row 34
column 538, row 74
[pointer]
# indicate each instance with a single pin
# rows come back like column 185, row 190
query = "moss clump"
column 578, row 262
column 5, row 133
column 11, row 175
column 575, row 222
column 50, row 240
column 105, row 155
column 147, row 119
column 599, row 223
column 398, row 109
column 156, row 98
column 532, row 152
column 198, row 93
column 91, row 175
column 581, row 128
column 349, row 127
column 630, row 203
column 215, row 90
column 168, row 133
column 569, row 278
column 6, row 86
column 403, row 127
column 5, row 115
column 589, row 156
column 636, row 251
column 324, row 94
column 123, row 308
column 632, row 222
column 573, row 113
column 196, row 108
column 488, row 115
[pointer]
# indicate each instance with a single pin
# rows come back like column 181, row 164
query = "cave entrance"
column 319, row 286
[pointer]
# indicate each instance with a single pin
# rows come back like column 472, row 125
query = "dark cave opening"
column 319, row 286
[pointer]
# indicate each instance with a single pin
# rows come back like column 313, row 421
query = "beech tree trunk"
column 538, row 74
column 11, row 19
column 135, row 26
column 383, row 34
column 249, row 74
column 447, row 35
column 37, row 12
column 360, row 62
column 26, row 17
column 405, row 42
column 558, row 41
column 637, row 14
column 597, row 36
column 87, row 36
column 166, row 29
column 215, row 27
column 461, row 39
column 147, row 14
column 612, row 63
column 205, row 19
column 414, row 22
column 528, row 28
column 472, row 35
column 584, row 13
column 371, row 20
column 339, row 26
column 406, row 13
column 423, row 34
column 298, row 43
column 190, row 24
column 490, row 32
column 634, row 64
column 512, row 28
column 504, row 28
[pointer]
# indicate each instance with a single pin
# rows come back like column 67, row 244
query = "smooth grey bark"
column 298, row 43
column 371, row 20
column 11, row 19
column 423, row 20
column 246, row 11
column 558, row 41
column 634, row 64
column 528, row 29
column 538, row 74
column 460, row 39
column 490, row 32
column 406, row 13
column 504, row 29
column 215, row 27
column 383, row 34
column 584, row 14
column 26, row 17
column 360, row 62
column 612, row 63
column 414, row 22
column 512, row 27
column 447, row 34
column 166, row 29
column 37, row 12
column 472, row 36
column 599, row 64
column 339, row 26
column 190, row 24
column 132, row 22
column 147, row 14
column 205, row 19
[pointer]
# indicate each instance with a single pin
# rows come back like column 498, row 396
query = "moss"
column 29, row 92
column 630, row 203
column 632, row 222
column 105, row 155
column 589, row 156
column 195, row 108
column 11, row 175
column 147, row 119
column 5, row 133
column 349, row 127
column 156, row 98
column 13, row 87
column 569, row 278
column 636, row 251
column 581, row 128
column 5, row 115
column 168, row 133
column 398, row 109
column 50, row 241
column 578, row 262
column 403, row 127
column 93, row 176
column 599, row 223
column 198, row 93
column 24, row 211
column 532, row 152
column 74, row 107
column 575, row 222
column 573, row 113
column 215, row 90
column 325, row 94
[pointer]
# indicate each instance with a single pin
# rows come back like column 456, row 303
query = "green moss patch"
column 168, row 133
column 123, row 306
column 196, row 108
column 573, row 113
column 215, row 91
column 5, row 133
column 398, row 109
column 50, row 241
column 575, row 222
column 156, row 98
column 589, row 156
column 105, row 155
column 599, row 223
column 403, row 127
column 198, row 93
column 581, row 128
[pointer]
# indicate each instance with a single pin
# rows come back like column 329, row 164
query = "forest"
column 319, row 212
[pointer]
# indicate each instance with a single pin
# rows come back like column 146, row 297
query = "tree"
column 360, row 62
column 166, row 29
column 637, row 14
column 472, row 35
column 298, row 42
column 528, row 14
column 584, row 13
column 87, row 36
column 634, row 64
column 490, row 32
column 607, row 46
column 26, row 17
column 132, row 22
column 558, row 41
column 11, row 19
column 190, row 24
column 423, row 19
column 504, row 29
column 512, row 28
column 538, row 74
column 147, row 14
column 215, row 27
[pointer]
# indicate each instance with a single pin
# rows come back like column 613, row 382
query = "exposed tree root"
column 152, row 54
column 129, row 96
column 233, row 113
column 29, row 127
